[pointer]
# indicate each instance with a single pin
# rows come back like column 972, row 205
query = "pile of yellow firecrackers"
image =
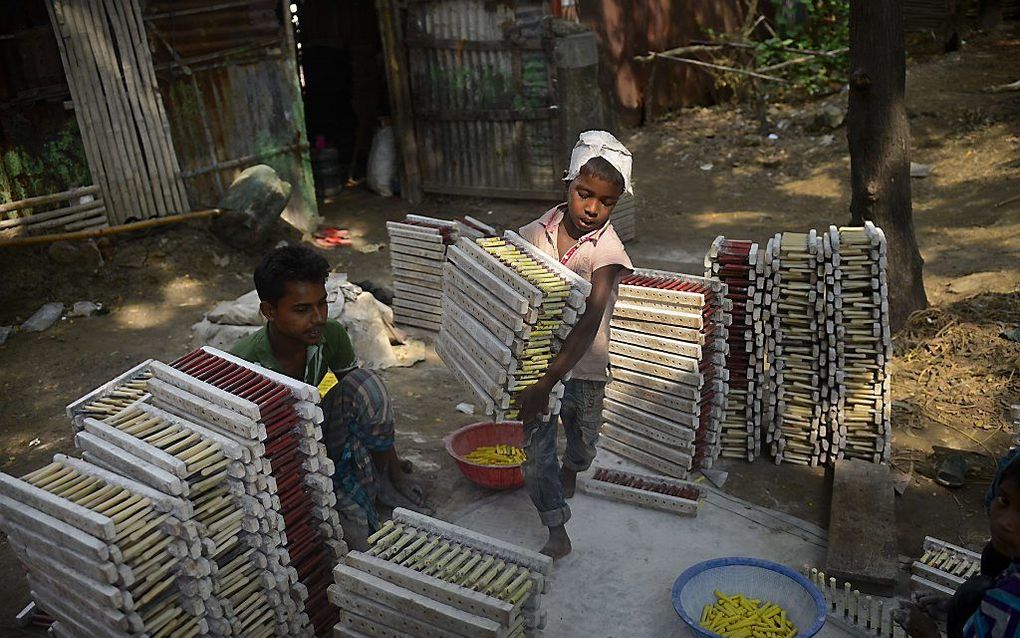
column 496, row 455
column 736, row 616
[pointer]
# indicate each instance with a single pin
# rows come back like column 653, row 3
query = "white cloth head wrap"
column 601, row 144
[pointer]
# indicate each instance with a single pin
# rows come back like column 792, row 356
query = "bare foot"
column 355, row 533
column 389, row 496
column 568, row 479
column 411, row 488
column 558, row 544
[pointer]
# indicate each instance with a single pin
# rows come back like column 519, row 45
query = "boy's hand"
column 534, row 401
column 915, row 621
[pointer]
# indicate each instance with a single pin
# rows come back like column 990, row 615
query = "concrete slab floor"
column 616, row 583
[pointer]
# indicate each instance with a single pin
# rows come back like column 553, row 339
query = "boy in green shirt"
column 300, row 341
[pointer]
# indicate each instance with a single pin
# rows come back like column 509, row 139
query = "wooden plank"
column 510, row 277
column 109, row 141
column 488, row 115
column 650, row 420
column 680, row 456
column 401, row 310
column 161, row 501
column 131, row 58
column 432, row 244
column 490, row 282
column 686, row 416
column 57, row 217
column 128, row 68
column 454, row 363
column 675, row 361
column 91, row 222
column 642, row 457
column 388, row 14
column 626, row 310
column 534, row 561
column 154, row 106
column 456, row 298
column 425, row 324
column 862, row 526
column 79, row 92
column 137, row 447
column 27, row 540
column 54, row 529
column 62, row 509
column 100, row 38
column 400, row 617
column 52, row 198
column 433, row 300
column 351, row 581
column 654, row 342
column 659, row 330
column 670, row 374
column 457, row 280
column 479, row 353
column 643, row 498
column 129, row 464
column 417, row 264
column 411, row 249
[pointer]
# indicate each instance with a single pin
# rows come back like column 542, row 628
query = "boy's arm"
column 533, row 400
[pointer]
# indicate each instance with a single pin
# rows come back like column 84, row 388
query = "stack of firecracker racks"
column 243, row 530
column 506, row 309
column 665, row 404
column 811, row 316
column 417, row 253
column 735, row 263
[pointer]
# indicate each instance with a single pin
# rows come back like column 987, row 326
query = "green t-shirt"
column 335, row 352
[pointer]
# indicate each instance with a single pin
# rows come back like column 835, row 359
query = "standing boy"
column 579, row 234
column 299, row 341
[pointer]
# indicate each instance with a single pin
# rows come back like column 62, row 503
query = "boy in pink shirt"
column 579, row 234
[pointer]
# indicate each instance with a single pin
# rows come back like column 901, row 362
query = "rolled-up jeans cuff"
column 555, row 518
column 575, row 468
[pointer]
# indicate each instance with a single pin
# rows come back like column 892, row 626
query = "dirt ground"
column 698, row 173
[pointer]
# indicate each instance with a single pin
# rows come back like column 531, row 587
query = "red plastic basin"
column 465, row 440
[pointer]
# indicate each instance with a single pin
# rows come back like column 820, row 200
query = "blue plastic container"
column 754, row 578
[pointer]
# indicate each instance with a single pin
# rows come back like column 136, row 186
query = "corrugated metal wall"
column 483, row 97
column 229, row 80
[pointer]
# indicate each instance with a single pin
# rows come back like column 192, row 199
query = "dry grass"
column 952, row 366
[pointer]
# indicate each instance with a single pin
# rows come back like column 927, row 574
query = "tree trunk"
column 879, row 138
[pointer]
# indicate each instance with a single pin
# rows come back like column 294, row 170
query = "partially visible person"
column 988, row 604
column 580, row 235
column 299, row 341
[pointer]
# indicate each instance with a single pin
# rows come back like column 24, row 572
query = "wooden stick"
column 112, row 230
column 52, row 198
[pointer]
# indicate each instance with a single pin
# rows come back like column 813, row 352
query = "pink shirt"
column 601, row 247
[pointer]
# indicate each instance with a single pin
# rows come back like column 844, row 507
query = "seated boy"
column 579, row 235
column 300, row 341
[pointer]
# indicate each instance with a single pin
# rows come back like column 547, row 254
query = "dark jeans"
column 581, row 414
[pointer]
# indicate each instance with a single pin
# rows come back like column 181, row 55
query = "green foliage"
column 815, row 25
column 56, row 165
column 799, row 25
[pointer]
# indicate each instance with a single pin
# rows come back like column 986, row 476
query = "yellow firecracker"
column 496, row 455
column 736, row 616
